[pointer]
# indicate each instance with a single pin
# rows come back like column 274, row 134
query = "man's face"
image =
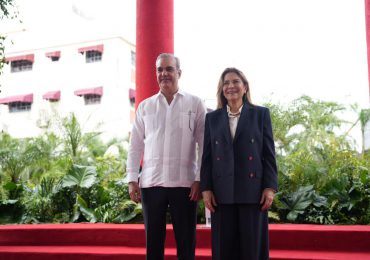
column 167, row 75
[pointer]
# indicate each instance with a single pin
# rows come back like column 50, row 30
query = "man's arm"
column 199, row 135
column 135, row 154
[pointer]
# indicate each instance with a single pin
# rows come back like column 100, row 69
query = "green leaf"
column 273, row 215
column 10, row 186
column 9, row 202
column 302, row 204
column 86, row 212
column 320, row 201
column 80, row 176
column 76, row 212
column 292, row 216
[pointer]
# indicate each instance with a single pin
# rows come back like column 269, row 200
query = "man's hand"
column 134, row 191
column 209, row 200
column 267, row 198
column 195, row 191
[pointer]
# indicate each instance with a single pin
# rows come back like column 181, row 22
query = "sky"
column 286, row 48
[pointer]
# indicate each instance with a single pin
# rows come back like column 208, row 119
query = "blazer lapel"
column 243, row 120
column 225, row 125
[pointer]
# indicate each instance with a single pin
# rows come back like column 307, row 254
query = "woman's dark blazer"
column 238, row 170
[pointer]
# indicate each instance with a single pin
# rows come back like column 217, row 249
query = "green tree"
column 39, row 206
column 77, row 143
column 314, row 151
column 70, row 177
column 15, row 156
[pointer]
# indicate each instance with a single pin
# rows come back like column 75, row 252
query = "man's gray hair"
column 169, row 55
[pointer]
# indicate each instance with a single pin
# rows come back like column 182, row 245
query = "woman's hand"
column 209, row 200
column 267, row 198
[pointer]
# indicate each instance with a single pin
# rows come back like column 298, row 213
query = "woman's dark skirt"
column 239, row 231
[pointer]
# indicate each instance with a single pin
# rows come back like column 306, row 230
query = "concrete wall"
column 70, row 73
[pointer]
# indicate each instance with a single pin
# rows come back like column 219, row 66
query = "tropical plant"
column 296, row 203
column 79, row 177
column 15, row 156
column 38, row 201
column 75, row 176
column 317, row 161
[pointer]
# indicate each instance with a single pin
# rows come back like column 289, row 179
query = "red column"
column 367, row 15
column 154, row 35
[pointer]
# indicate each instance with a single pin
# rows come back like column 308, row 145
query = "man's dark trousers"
column 156, row 201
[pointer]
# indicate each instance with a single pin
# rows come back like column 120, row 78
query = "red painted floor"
column 127, row 241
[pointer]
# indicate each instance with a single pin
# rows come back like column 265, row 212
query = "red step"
column 127, row 241
column 131, row 235
column 119, row 253
column 85, row 253
column 320, row 237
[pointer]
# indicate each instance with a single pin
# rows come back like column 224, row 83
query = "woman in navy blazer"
column 238, row 173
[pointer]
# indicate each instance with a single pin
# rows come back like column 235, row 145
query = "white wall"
column 68, row 74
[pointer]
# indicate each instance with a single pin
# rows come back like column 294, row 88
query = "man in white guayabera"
column 167, row 137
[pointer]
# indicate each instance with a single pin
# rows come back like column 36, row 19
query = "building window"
column 93, row 56
column 132, row 95
column 21, row 65
column 52, row 96
column 54, row 55
column 19, row 107
column 133, row 58
column 91, row 99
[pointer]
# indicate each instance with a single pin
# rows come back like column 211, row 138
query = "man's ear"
column 179, row 71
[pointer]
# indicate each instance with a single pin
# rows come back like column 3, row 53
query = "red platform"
column 127, row 241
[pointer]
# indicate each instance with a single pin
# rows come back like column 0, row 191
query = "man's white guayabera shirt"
column 169, row 140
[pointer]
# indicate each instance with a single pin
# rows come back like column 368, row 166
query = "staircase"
column 127, row 241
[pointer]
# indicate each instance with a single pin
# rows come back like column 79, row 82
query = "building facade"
column 94, row 79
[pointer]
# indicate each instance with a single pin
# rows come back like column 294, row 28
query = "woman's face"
column 233, row 88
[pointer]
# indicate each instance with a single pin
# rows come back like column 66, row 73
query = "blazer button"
column 250, row 158
column 216, row 142
column 251, row 175
column 218, row 158
column 252, row 140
